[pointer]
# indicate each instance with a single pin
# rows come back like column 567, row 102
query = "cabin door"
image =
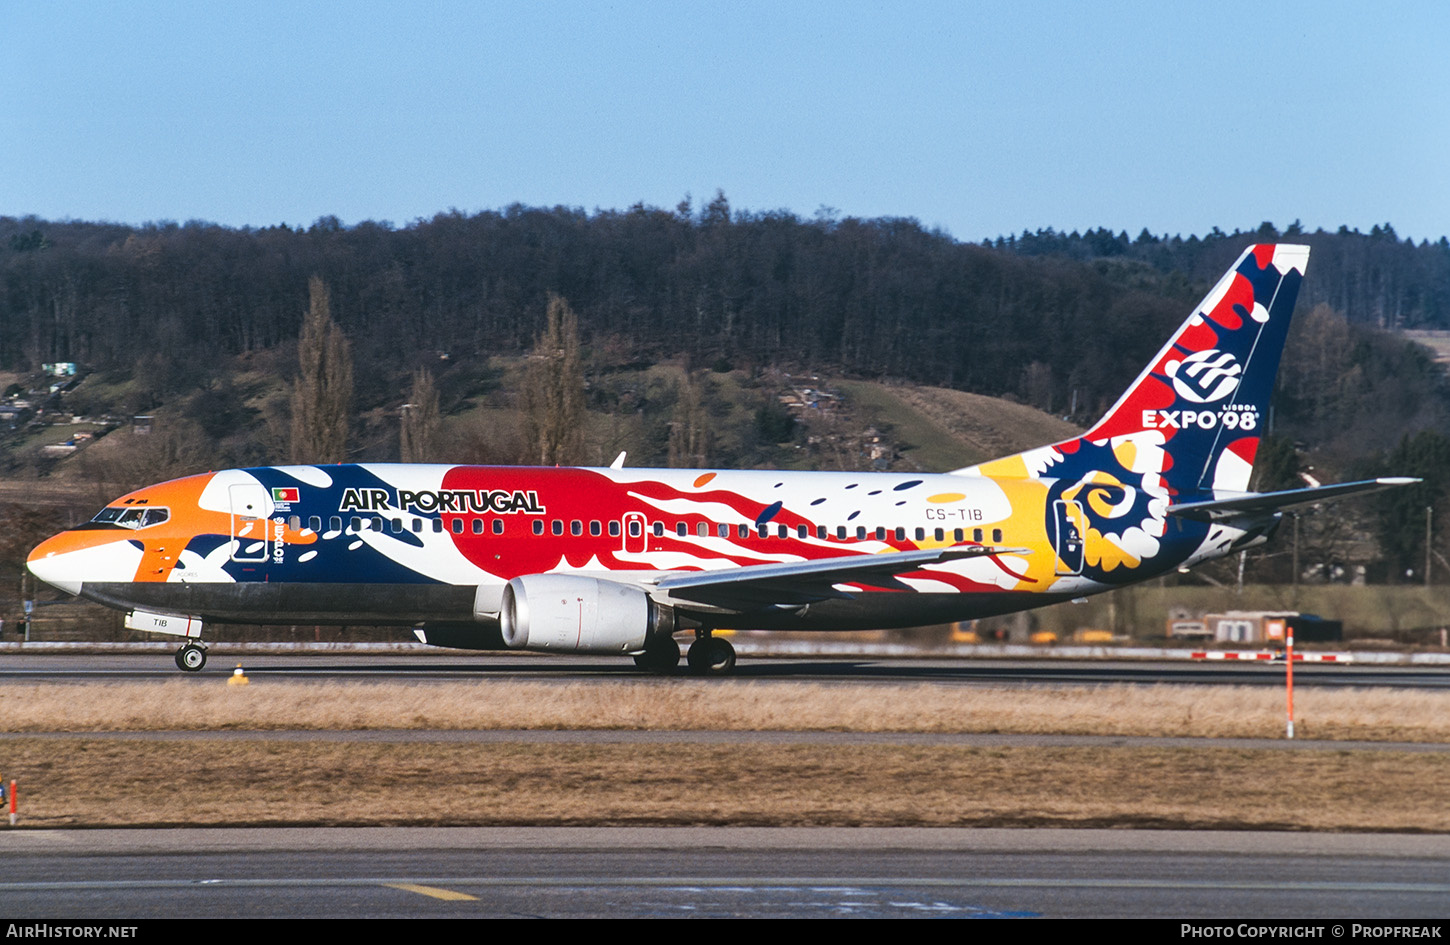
column 1066, row 537
column 250, row 504
column 635, row 541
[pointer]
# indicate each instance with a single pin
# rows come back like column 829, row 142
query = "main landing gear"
column 661, row 654
column 191, row 658
column 710, row 656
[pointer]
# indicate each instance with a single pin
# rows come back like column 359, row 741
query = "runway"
column 625, row 872
column 431, row 665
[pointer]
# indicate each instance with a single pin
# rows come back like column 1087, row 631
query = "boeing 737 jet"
column 620, row 560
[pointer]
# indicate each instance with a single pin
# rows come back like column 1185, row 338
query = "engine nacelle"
column 570, row 614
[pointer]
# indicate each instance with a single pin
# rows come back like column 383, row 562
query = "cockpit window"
column 139, row 517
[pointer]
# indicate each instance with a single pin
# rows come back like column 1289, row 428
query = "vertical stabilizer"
column 1195, row 414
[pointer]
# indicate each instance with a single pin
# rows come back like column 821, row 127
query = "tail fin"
column 1199, row 407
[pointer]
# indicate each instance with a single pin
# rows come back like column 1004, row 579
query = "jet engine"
column 570, row 614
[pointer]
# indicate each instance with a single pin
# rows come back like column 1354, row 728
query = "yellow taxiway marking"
column 433, row 891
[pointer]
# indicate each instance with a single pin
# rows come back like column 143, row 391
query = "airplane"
column 618, row 560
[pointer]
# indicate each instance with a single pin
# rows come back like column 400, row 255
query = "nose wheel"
column 190, row 658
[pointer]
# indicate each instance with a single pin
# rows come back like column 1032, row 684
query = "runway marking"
column 434, row 891
column 696, row 884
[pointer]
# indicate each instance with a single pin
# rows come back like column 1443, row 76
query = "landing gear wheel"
column 190, row 658
column 660, row 655
column 711, row 656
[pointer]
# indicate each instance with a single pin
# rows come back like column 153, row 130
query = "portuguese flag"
column 285, row 495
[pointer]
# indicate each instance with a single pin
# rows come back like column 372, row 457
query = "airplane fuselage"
column 406, row 544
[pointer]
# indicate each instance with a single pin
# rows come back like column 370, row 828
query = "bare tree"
column 419, row 430
column 689, row 430
column 553, row 398
column 322, row 397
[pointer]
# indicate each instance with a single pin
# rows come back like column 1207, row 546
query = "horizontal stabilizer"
column 1248, row 503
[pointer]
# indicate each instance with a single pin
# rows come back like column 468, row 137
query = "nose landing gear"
column 191, row 658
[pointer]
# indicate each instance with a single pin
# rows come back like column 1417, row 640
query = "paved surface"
column 756, row 872
column 430, row 664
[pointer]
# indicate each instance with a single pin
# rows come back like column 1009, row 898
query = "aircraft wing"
column 802, row 582
column 1248, row 503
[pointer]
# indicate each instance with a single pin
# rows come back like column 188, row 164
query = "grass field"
column 709, row 705
column 92, row 782
column 262, row 779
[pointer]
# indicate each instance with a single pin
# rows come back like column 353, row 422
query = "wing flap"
column 803, row 582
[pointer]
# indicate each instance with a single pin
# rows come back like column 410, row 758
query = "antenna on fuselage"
column 618, row 461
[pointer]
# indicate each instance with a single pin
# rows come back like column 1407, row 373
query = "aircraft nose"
column 49, row 563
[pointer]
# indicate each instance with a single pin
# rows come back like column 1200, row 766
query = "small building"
column 1270, row 626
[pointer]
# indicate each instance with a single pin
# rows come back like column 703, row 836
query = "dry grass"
column 683, row 704
column 138, row 783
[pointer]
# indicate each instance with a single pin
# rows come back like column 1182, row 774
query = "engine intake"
column 568, row 614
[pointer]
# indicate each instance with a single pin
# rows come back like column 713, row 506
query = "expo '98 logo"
column 1205, row 376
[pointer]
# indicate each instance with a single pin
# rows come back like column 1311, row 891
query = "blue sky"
column 978, row 118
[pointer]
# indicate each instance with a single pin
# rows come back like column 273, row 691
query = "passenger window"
column 557, row 526
column 576, row 527
column 900, row 533
column 996, row 534
column 659, row 529
column 438, row 525
column 634, row 529
column 723, row 530
column 977, row 535
column 498, row 526
column 920, row 534
column 417, row 525
column 958, row 536
column 335, row 523
column 538, row 526
column 614, row 528
column 703, row 529
column 681, row 529
column 782, row 531
column 478, row 526
column 764, row 531
column 802, row 531
column 356, row 525
column 742, row 531
column 315, row 523
column 457, row 526
column 860, row 532
column 941, row 534
column 397, row 526
column 880, row 533
column 595, row 528
column 294, row 522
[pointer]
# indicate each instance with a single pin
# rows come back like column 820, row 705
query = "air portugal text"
column 500, row 501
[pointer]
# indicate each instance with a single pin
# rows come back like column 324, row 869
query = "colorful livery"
column 618, row 560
